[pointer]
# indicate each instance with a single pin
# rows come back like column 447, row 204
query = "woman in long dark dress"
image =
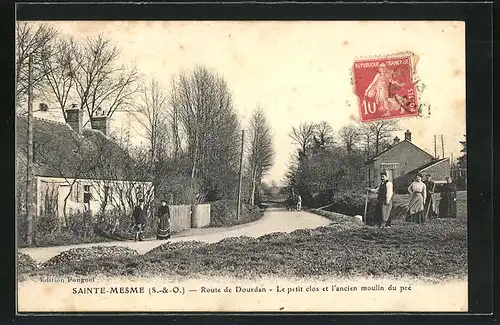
column 448, row 203
column 415, row 212
column 163, row 221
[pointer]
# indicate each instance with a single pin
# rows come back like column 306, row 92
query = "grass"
column 436, row 250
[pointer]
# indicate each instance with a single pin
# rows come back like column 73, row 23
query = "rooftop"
column 58, row 151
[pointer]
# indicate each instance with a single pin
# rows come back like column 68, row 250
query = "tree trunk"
column 65, row 216
column 252, row 193
column 193, row 171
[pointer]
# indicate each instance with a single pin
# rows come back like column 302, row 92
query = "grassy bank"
column 434, row 250
column 223, row 213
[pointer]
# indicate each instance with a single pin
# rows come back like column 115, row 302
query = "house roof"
column 392, row 147
column 58, row 151
column 405, row 179
column 428, row 165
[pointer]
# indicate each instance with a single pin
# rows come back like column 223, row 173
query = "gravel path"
column 274, row 220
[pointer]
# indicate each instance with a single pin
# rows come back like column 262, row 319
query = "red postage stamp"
column 385, row 87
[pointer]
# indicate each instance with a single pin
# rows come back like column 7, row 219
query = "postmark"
column 385, row 87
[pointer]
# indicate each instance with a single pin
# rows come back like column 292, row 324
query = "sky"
column 299, row 71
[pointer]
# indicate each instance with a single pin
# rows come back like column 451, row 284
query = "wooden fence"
column 180, row 217
column 200, row 216
column 183, row 217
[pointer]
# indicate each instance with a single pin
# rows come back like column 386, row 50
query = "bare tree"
column 261, row 152
column 119, row 182
column 174, row 121
column 205, row 110
column 58, row 67
column 31, row 38
column 303, row 135
column 152, row 115
column 100, row 82
column 323, row 134
column 379, row 132
column 350, row 136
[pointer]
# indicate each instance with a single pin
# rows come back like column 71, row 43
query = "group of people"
column 294, row 202
column 421, row 205
column 140, row 217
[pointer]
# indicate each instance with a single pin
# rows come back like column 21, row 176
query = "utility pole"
column 238, row 208
column 435, row 147
column 442, row 145
column 29, row 182
column 452, row 167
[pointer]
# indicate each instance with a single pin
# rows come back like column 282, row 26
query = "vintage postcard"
column 241, row 166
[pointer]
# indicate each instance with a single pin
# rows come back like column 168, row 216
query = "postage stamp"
column 385, row 87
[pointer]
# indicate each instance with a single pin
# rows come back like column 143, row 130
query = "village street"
column 274, row 220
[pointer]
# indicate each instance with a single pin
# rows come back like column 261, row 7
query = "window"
column 87, row 195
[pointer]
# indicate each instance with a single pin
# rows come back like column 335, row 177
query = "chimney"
column 408, row 135
column 74, row 117
column 100, row 123
column 396, row 140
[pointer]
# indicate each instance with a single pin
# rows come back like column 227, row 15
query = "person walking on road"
column 418, row 191
column 140, row 216
column 384, row 201
column 163, row 231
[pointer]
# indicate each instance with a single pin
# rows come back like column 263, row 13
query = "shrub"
column 46, row 223
column 89, row 254
column 350, row 203
column 117, row 225
column 80, row 228
column 337, row 218
column 223, row 213
column 25, row 263
column 81, row 224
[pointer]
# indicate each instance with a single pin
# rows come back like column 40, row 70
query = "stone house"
column 77, row 169
column 402, row 161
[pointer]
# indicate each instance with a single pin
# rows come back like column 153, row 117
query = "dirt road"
column 274, row 220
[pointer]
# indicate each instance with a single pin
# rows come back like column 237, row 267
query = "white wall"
column 118, row 191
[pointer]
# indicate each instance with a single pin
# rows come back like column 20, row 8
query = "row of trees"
column 370, row 138
column 330, row 162
column 194, row 136
column 192, row 130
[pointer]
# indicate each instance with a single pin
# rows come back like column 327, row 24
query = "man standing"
column 429, row 207
column 140, row 216
column 384, row 201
